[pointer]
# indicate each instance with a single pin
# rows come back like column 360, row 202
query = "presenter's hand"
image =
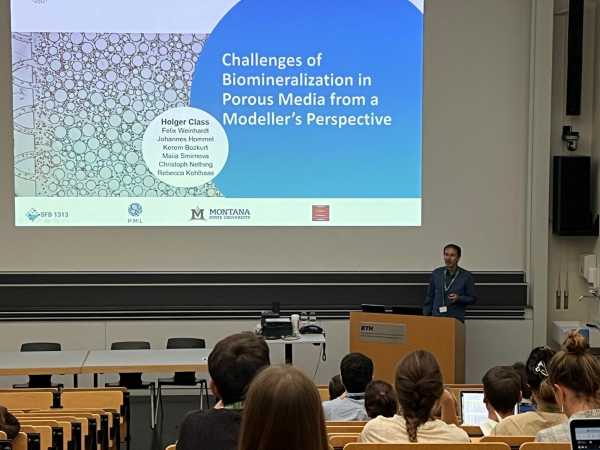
column 453, row 297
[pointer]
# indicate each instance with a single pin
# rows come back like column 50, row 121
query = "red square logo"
column 320, row 213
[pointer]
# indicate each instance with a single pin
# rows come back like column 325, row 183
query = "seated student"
column 574, row 373
column 357, row 371
column 526, row 404
column 232, row 365
column 501, row 393
column 283, row 412
column 336, row 388
column 547, row 412
column 419, row 387
column 9, row 423
column 380, row 399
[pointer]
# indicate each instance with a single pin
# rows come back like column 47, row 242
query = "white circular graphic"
column 185, row 147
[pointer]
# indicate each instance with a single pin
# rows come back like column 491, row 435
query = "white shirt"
column 393, row 430
column 352, row 407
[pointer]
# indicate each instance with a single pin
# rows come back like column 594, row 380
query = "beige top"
column 393, row 430
column 528, row 424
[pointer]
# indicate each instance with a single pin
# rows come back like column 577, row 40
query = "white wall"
column 489, row 342
column 564, row 251
column 474, row 172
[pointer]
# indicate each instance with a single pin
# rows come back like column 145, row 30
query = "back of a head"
column 521, row 370
column 575, row 368
column 357, row 371
column 234, row 362
column 283, row 411
column 502, row 388
column 380, row 399
column 537, row 374
column 419, row 385
column 336, row 388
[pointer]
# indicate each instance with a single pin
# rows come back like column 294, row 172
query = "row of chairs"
column 339, row 442
column 132, row 380
column 70, row 419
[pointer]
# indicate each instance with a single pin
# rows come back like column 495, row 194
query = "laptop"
column 585, row 434
column 473, row 408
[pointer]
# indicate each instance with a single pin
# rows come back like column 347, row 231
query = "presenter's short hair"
column 455, row 247
column 234, row 362
column 502, row 388
column 356, row 370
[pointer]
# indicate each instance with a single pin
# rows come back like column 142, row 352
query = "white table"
column 132, row 361
column 42, row 363
column 314, row 339
column 144, row 361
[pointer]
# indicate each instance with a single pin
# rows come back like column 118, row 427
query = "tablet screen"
column 585, row 436
column 473, row 409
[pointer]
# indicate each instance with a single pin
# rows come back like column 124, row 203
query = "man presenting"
column 451, row 288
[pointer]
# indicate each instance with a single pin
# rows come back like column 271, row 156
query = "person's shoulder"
column 455, row 431
column 438, row 270
column 557, row 433
column 201, row 417
column 379, row 423
column 466, row 272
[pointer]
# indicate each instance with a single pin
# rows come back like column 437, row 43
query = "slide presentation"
column 217, row 112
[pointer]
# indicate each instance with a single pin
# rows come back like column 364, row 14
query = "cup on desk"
column 296, row 324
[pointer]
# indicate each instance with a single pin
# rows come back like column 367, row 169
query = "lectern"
column 386, row 338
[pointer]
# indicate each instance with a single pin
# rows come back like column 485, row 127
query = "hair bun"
column 576, row 343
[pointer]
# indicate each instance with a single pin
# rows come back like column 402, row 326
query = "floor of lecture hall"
column 167, row 428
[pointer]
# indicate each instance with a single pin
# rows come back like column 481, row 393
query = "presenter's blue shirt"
column 443, row 284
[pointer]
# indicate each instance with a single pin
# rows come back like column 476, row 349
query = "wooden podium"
column 386, row 338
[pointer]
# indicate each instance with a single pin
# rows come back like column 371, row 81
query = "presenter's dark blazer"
column 436, row 298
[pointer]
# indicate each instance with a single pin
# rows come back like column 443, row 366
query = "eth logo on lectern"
column 383, row 332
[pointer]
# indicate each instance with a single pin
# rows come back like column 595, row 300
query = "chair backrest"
column 130, row 345
column 345, row 423
column 512, row 441
column 472, row 430
column 424, row 446
column 338, row 441
column 26, row 399
column 103, row 399
column 344, row 429
column 20, row 442
column 324, row 393
column 45, row 434
column 173, row 343
column 40, row 347
column 546, row 446
column 66, row 427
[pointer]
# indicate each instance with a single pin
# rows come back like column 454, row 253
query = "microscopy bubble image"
column 81, row 104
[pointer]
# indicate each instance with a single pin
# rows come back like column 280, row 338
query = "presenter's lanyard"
column 449, row 285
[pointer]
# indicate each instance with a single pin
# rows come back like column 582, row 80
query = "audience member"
column 502, row 393
column 232, row 365
column 9, row 423
column 380, row 399
column 356, row 371
column 283, row 411
column 547, row 412
column 574, row 374
column 419, row 387
column 525, row 405
column 336, row 388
